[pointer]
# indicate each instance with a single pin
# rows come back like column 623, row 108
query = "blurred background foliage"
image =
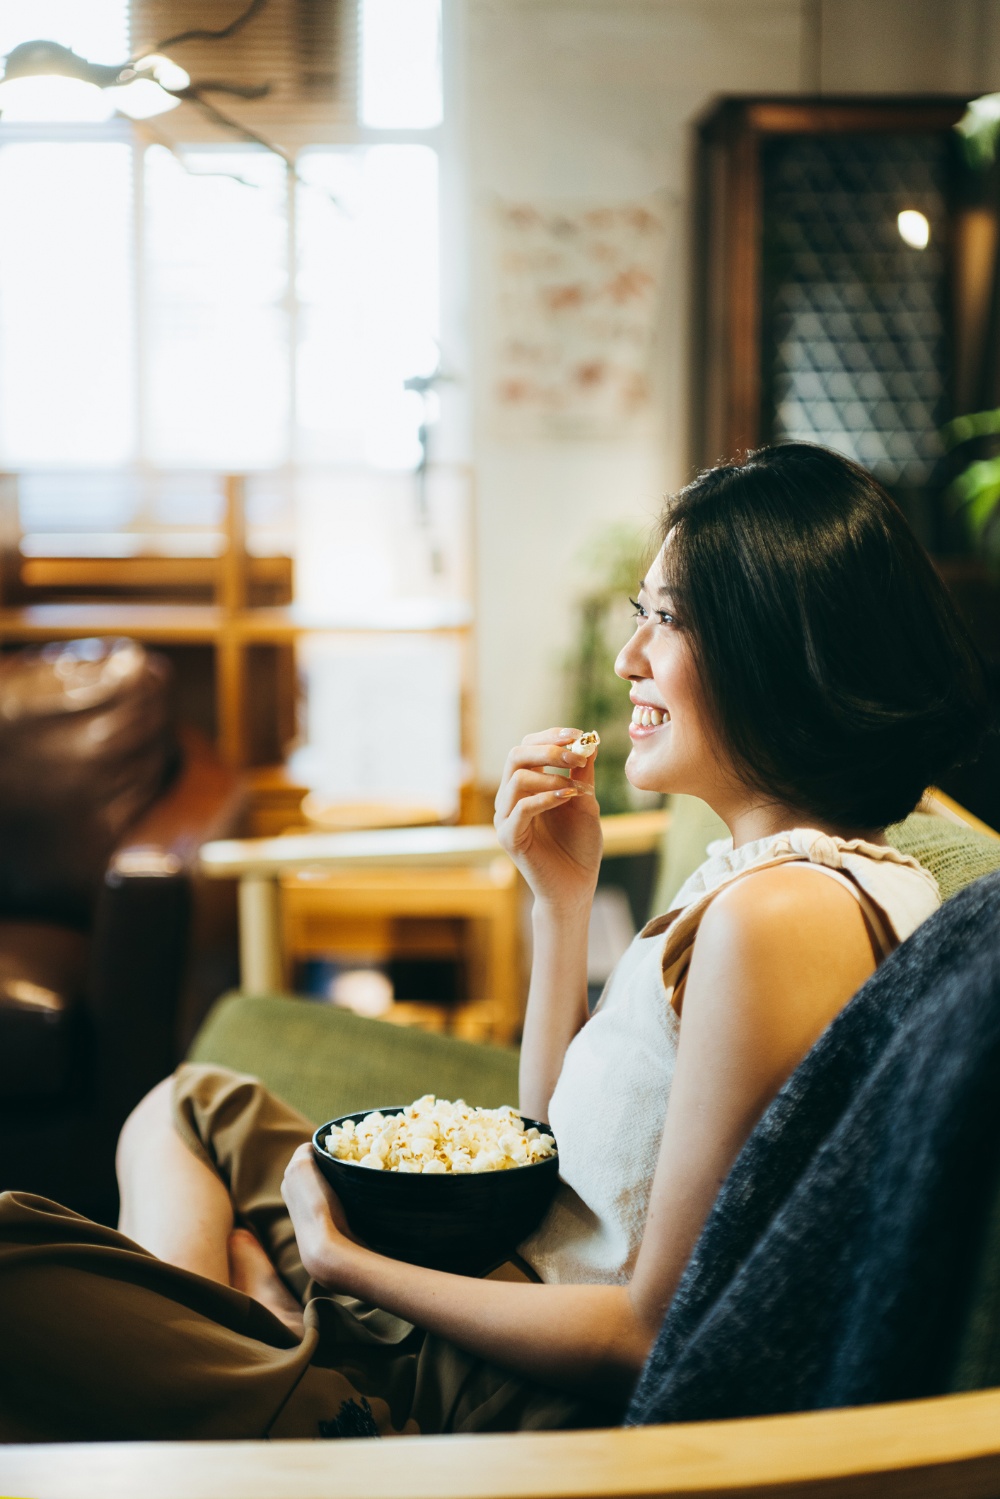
column 974, row 439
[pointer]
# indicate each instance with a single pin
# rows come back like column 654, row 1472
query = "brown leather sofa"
column 103, row 807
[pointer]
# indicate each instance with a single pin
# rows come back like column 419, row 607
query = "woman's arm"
column 557, row 1004
column 572, row 1337
column 776, row 958
column 550, row 826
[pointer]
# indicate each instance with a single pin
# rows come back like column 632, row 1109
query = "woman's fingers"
column 551, row 736
column 302, row 1177
column 528, row 783
column 516, row 824
column 538, row 754
column 526, row 789
column 304, row 1182
column 309, row 1196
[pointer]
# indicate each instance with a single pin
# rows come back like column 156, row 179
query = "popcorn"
column 586, row 744
column 433, row 1136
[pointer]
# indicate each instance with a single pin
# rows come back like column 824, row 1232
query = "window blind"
column 302, row 51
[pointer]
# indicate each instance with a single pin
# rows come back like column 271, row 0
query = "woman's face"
column 673, row 748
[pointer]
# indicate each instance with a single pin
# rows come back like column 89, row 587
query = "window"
column 221, row 308
column 224, row 309
column 67, row 347
column 401, row 64
column 216, row 281
column 367, row 293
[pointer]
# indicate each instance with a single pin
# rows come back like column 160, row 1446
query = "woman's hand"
column 549, row 825
column 326, row 1244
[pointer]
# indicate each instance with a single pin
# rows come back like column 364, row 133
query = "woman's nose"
column 629, row 663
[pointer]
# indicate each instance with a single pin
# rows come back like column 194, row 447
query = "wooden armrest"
column 267, row 858
column 947, row 1448
column 632, row 832
column 939, row 804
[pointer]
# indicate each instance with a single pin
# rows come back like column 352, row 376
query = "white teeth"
column 637, row 715
column 655, row 717
column 646, row 718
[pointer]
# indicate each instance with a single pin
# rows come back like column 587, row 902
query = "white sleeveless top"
column 617, row 1073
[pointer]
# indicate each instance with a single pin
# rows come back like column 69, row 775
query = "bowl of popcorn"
column 439, row 1183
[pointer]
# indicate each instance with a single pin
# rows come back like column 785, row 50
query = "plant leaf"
column 965, row 428
column 978, row 491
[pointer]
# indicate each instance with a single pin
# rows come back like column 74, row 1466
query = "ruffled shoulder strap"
column 850, row 859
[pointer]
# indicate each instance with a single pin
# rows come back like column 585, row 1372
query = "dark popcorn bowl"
column 467, row 1223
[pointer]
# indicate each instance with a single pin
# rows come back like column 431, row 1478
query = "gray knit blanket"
column 837, row 1264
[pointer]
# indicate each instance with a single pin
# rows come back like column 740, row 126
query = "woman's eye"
column 661, row 614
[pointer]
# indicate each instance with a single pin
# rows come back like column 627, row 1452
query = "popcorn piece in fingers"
column 586, row 744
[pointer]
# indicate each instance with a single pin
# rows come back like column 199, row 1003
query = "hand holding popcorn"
column 547, row 816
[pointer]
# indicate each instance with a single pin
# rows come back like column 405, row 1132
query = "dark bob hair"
column 839, row 674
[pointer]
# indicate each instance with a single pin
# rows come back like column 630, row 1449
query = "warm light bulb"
column 141, row 99
column 166, row 73
column 50, row 97
column 914, row 230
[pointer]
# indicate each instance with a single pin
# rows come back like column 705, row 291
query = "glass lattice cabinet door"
column 827, row 278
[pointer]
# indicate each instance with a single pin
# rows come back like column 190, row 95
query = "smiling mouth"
column 644, row 717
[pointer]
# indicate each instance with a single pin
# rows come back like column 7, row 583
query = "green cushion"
column 326, row 1061
column 954, row 855
column 691, row 828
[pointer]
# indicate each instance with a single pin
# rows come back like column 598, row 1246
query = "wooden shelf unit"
column 233, row 624
column 217, row 624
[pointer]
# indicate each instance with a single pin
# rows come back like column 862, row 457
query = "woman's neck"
column 753, row 820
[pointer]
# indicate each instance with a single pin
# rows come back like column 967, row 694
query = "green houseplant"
column 975, row 490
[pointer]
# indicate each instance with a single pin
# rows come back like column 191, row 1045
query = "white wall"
column 595, row 99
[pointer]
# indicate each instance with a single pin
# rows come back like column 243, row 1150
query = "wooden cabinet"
column 781, row 233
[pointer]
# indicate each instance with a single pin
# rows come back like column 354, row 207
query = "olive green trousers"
column 102, row 1341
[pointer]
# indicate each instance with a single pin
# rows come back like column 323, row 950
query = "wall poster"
column 578, row 291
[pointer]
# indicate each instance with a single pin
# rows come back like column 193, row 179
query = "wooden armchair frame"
column 947, row 1448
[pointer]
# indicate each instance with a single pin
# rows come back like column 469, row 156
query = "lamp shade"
column 54, row 98
column 141, row 99
column 43, row 59
column 46, row 81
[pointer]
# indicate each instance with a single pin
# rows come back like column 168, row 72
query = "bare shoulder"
column 786, row 925
column 763, row 901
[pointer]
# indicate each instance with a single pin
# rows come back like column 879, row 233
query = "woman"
column 797, row 664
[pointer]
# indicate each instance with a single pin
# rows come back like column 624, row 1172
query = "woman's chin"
column 644, row 775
